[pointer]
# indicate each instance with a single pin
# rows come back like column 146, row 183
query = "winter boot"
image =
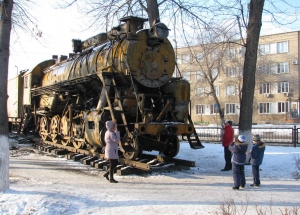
column 106, row 175
column 111, row 174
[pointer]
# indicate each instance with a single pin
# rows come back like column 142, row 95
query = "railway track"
column 148, row 163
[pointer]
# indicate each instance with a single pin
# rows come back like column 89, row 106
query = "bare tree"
column 14, row 16
column 253, row 32
column 109, row 12
column 209, row 58
column 24, row 20
column 5, row 28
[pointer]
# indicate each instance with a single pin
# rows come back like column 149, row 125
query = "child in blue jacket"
column 238, row 149
column 257, row 155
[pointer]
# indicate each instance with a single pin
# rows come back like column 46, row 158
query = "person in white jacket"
column 112, row 138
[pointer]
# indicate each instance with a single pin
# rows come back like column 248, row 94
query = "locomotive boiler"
column 124, row 75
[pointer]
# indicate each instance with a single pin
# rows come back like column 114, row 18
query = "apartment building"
column 215, row 72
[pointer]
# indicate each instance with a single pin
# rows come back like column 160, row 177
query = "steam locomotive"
column 124, row 75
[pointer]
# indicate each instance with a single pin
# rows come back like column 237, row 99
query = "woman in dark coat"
column 239, row 149
column 112, row 138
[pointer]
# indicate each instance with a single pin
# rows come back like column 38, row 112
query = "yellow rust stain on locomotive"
column 152, row 64
column 181, row 91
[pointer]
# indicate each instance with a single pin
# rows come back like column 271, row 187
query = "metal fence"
column 282, row 135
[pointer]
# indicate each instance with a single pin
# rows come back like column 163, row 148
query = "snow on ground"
column 44, row 185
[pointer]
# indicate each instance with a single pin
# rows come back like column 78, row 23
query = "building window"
column 213, row 110
column 186, row 75
column 200, row 91
column 199, row 57
column 273, row 68
column 273, row 48
column 283, row 87
column 214, row 55
column 199, row 109
column 282, row 47
column 242, row 51
column 263, row 69
column 264, row 88
column 270, row 48
column 214, row 73
column 264, row 107
column 283, row 67
column 230, row 53
column 283, row 107
column 230, row 108
column 217, row 90
column 233, row 72
column 186, row 58
column 179, row 60
column 264, row 49
column 199, row 75
column 230, row 90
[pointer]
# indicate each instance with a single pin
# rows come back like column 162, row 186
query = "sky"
column 41, row 184
column 59, row 27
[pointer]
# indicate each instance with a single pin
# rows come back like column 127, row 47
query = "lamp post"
column 17, row 70
column 175, row 57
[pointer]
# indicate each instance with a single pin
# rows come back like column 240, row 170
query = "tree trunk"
column 253, row 31
column 5, row 28
column 152, row 10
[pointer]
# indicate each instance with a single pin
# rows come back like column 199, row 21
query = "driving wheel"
column 44, row 127
column 130, row 147
column 54, row 128
column 78, row 133
column 172, row 148
column 64, row 131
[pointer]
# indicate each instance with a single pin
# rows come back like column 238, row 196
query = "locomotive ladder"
column 193, row 139
column 109, row 81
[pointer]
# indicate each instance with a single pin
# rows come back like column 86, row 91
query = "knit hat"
column 241, row 138
column 229, row 122
column 256, row 137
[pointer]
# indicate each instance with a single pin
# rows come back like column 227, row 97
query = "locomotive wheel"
column 172, row 147
column 78, row 132
column 65, row 142
column 44, row 127
column 78, row 144
column 54, row 128
column 93, row 148
column 130, row 146
column 64, row 131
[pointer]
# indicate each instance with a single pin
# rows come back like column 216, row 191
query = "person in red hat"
column 226, row 140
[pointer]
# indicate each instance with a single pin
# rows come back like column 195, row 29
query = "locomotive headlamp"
column 159, row 30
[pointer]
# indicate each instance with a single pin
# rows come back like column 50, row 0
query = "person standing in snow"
column 112, row 138
column 238, row 149
column 226, row 140
column 256, row 154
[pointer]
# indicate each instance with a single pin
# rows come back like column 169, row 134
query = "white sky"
column 59, row 27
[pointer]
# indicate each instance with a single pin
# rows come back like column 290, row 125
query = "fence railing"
column 285, row 135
